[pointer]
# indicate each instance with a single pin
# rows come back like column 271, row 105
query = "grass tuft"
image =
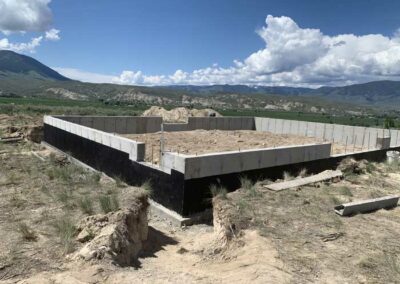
column 302, row 173
column 218, row 191
column 109, row 203
column 248, row 185
column 287, row 176
column 86, row 205
column 147, row 186
column 65, row 231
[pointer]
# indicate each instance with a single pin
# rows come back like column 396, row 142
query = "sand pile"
column 180, row 114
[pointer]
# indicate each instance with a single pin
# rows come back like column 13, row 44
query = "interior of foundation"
column 199, row 142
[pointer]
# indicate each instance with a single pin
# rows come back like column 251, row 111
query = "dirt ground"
column 41, row 194
column 203, row 141
column 291, row 236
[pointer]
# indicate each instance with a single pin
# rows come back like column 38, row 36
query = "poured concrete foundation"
column 181, row 182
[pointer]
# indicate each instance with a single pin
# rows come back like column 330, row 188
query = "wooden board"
column 325, row 175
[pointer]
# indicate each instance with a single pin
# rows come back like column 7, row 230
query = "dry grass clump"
column 65, row 229
column 249, row 186
column 287, row 176
column 218, row 191
column 147, row 187
column 108, row 203
column 86, row 205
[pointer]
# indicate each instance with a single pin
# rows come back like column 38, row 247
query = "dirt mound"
column 116, row 237
column 180, row 114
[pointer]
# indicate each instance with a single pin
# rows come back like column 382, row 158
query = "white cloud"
column 295, row 56
column 84, row 76
column 52, row 35
column 21, row 47
column 24, row 15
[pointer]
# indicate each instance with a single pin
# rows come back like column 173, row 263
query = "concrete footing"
column 159, row 211
column 365, row 206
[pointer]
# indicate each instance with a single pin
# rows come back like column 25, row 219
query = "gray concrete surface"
column 118, row 124
column 365, row 137
column 136, row 150
column 365, row 206
column 237, row 161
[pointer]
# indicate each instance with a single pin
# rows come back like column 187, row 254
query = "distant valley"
column 23, row 76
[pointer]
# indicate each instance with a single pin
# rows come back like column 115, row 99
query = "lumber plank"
column 325, row 175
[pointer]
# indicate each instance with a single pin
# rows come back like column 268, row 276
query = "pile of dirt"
column 180, row 114
column 116, row 237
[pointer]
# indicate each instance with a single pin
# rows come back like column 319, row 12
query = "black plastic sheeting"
column 185, row 197
column 167, row 189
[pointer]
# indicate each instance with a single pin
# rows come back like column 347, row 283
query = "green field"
column 41, row 106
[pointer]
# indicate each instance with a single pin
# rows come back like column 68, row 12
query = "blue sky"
column 196, row 42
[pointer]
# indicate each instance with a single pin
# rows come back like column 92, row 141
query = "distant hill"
column 14, row 64
column 372, row 93
column 240, row 89
column 22, row 75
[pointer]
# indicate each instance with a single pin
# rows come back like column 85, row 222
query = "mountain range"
column 21, row 75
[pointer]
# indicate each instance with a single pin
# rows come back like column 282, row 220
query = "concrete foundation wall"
column 118, row 124
column 221, row 123
column 136, row 150
column 233, row 162
column 365, row 137
column 169, row 127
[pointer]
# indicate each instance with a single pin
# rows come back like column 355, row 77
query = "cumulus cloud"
column 21, row 47
column 295, row 56
column 53, row 35
column 24, row 15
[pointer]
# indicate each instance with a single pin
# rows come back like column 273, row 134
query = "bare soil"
column 291, row 236
column 315, row 244
column 209, row 141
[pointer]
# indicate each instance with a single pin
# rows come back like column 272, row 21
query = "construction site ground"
column 291, row 236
